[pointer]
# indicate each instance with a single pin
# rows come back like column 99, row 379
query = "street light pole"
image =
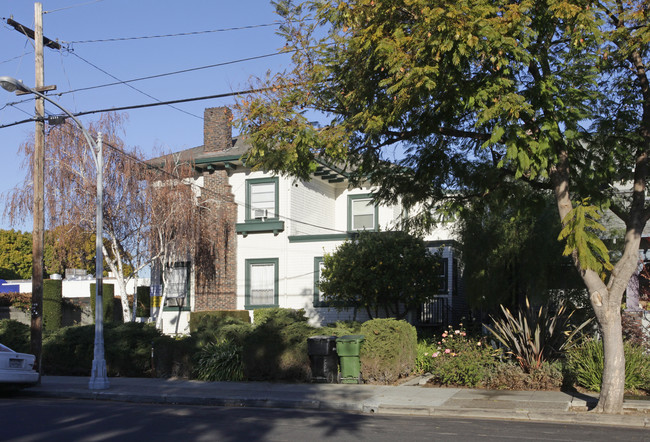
column 98, row 379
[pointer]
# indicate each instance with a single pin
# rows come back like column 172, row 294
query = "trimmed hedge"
column 108, row 295
column 211, row 319
column 52, row 304
column 143, row 308
column 15, row 335
column 388, row 351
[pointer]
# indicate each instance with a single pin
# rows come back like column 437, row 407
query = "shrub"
column 52, row 304
column 127, row 350
column 220, row 362
column 535, row 335
column 15, row 335
column 508, row 376
column 173, row 356
column 456, row 359
column 585, row 362
column 277, row 351
column 213, row 319
column 341, row 328
column 280, row 316
column 388, row 351
column 143, row 308
column 22, row 301
column 108, row 302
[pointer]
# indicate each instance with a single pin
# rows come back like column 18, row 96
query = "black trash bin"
column 323, row 358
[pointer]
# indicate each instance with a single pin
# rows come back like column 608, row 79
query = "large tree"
column 15, row 255
column 554, row 93
column 70, row 189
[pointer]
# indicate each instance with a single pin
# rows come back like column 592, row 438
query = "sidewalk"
column 407, row 399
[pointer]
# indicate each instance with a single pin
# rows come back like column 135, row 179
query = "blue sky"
column 72, row 22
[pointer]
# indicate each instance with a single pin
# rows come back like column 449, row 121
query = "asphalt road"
column 27, row 419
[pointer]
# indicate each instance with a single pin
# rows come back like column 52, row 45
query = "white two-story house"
column 275, row 233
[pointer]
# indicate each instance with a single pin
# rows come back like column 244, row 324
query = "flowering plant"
column 455, row 358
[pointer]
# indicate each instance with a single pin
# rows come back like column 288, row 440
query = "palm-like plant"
column 535, row 335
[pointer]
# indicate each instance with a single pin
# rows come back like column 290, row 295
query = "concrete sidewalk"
column 409, row 399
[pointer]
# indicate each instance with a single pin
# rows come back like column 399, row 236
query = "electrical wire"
column 72, row 6
column 142, row 106
column 180, row 34
column 166, row 74
column 133, row 87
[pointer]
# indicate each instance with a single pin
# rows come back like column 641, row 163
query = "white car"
column 16, row 368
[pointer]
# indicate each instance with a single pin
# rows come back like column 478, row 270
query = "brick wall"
column 216, row 255
column 217, row 129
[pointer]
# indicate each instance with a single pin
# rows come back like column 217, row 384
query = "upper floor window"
column 362, row 213
column 262, row 198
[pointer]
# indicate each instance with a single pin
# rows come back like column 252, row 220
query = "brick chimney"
column 217, row 129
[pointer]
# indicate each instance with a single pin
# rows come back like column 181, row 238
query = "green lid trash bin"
column 349, row 348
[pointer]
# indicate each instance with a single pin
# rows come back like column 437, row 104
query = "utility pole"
column 39, row 196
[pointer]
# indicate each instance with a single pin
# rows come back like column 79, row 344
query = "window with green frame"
column 318, row 296
column 262, row 198
column 261, row 283
column 363, row 213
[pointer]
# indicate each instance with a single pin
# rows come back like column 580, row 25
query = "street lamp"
column 98, row 378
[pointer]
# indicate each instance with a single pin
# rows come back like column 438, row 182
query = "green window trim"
column 444, row 276
column 276, row 286
column 259, row 226
column 362, row 196
column 317, row 301
column 186, row 303
column 251, row 183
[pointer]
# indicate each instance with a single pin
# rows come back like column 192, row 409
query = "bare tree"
column 70, row 189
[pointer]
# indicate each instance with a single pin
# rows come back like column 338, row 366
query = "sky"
column 220, row 32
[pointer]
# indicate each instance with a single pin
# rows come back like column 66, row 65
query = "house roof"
column 231, row 159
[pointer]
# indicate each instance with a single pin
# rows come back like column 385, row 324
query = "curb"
column 577, row 413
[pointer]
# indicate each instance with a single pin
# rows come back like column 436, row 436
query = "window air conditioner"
column 260, row 213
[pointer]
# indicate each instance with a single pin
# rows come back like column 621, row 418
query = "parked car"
column 16, row 368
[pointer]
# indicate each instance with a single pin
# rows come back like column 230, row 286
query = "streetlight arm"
column 11, row 84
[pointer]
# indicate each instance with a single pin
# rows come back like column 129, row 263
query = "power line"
column 166, row 74
column 72, row 6
column 133, row 87
column 142, row 106
column 180, row 34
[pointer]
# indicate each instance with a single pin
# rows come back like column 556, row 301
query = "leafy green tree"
column 388, row 273
column 15, row 255
column 509, row 251
column 554, row 93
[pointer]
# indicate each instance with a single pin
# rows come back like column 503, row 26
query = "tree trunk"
column 613, row 386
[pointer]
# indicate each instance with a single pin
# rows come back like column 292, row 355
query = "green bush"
column 280, row 316
column 388, row 351
column 585, row 363
column 509, row 376
column 52, row 304
column 143, row 309
column 220, row 362
column 277, row 351
column 15, row 335
column 456, row 359
column 173, row 357
column 341, row 328
column 108, row 295
column 127, row 350
column 534, row 336
column 213, row 319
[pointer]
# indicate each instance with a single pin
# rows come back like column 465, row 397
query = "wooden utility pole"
column 39, row 195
